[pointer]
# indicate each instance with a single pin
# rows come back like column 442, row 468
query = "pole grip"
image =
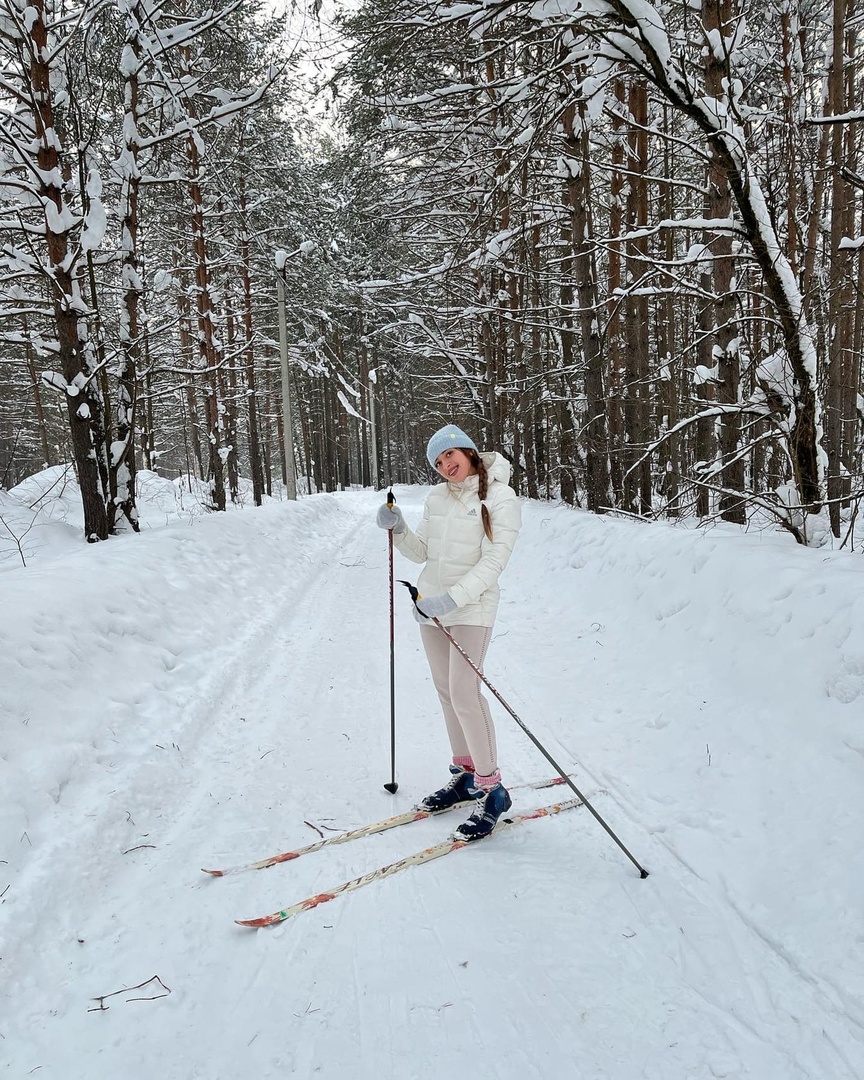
column 415, row 595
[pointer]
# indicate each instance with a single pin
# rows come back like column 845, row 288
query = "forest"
column 618, row 241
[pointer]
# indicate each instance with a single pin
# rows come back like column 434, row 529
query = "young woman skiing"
column 470, row 524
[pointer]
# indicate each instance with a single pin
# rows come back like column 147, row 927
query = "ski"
column 364, row 830
column 437, row 851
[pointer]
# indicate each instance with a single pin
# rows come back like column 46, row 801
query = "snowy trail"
column 538, row 954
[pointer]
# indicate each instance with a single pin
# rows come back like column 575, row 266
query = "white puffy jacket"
column 450, row 540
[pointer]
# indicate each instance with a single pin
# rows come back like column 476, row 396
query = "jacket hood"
column 497, row 466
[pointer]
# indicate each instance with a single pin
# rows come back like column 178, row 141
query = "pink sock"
column 486, row 783
column 466, row 763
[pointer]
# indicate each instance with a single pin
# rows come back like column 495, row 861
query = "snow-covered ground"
column 208, row 692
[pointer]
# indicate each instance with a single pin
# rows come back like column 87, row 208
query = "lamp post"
column 373, row 428
column 287, row 418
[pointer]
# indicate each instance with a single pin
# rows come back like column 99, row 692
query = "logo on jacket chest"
column 472, row 512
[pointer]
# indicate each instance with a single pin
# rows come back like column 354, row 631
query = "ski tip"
column 267, row 920
column 212, row 873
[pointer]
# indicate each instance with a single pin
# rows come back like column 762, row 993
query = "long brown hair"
column 482, row 488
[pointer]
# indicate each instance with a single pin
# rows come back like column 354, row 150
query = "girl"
column 470, row 524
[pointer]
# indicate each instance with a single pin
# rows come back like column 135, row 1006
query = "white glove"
column 390, row 517
column 436, row 607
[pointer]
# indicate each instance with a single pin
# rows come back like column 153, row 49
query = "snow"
column 59, row 221
column 130, row 64
column 201, row 694
column 96, row 221
column 348, row 407
column 162, row 280
column 55, row 380
column 702, row 374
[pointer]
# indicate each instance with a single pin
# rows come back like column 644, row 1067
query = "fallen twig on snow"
column 102, row 1007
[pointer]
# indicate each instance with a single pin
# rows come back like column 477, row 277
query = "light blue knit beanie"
column 448, row 438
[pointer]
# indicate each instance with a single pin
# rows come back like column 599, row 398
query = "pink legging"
column 466, row 711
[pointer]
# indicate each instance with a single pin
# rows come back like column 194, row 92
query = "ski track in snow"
column 755, row 952
column 536, row 955
column 826, row 996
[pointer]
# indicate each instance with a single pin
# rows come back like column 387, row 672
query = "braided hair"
column 482, row 488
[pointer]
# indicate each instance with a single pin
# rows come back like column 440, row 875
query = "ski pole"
column 392, row 786
column 415, row 596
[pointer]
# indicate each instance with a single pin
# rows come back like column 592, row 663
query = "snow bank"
column 108, row 651
column 714, row 683
column 768, row 614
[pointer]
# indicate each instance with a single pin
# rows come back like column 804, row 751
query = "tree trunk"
column 83, row 408
column 614, row 363
column 578, row 200
column 122, row 461
column 637, row 479
column 209, row 355
column 843, row 363
column 717, row 17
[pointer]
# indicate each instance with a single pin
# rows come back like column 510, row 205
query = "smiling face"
column 454, row 465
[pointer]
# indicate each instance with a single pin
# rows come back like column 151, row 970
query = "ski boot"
column 493, row 803
column 460, row 789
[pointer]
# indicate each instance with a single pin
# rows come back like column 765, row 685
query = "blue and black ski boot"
column 484, row 818
column 460, row 789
